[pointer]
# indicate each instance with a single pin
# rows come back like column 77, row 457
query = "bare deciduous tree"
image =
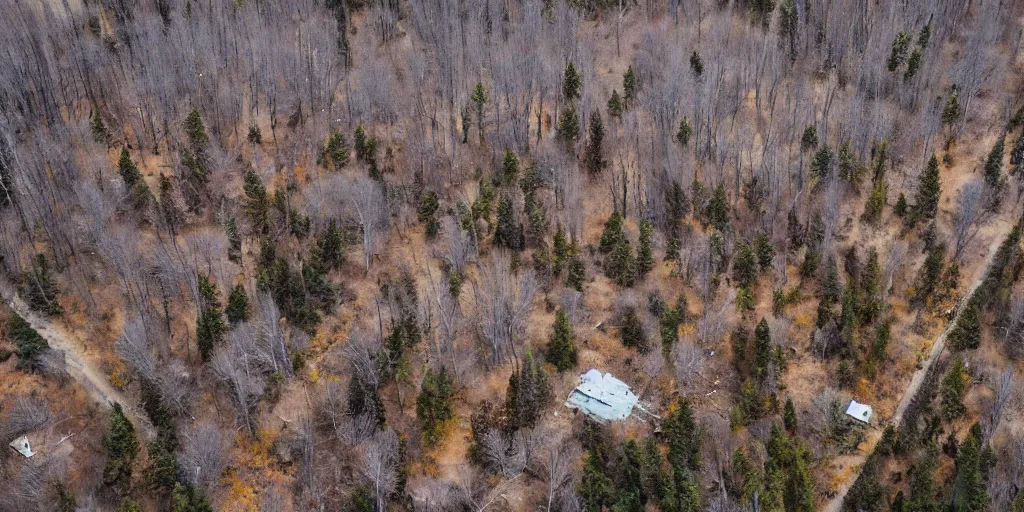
column 503, row 301
column 380, row 465
column 971, row 211
column 203, row 456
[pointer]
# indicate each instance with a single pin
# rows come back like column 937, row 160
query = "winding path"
column 836, row 503
column 78, row 366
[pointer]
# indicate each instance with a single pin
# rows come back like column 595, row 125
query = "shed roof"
column 22, row 446
column 602, row 396
column 858, row 411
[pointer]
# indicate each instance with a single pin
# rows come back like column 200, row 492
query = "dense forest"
column 353, row 255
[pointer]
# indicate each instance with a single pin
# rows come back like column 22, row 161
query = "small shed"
column 602, row 397
column 22, row 446
column 858, row 411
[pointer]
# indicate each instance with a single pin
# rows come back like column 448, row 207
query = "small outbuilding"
column 602, row 397
column 860, row 412
column 21, row 445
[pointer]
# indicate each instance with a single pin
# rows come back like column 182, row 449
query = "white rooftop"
column 858, row 411
column 602, row 397
column 21, row 446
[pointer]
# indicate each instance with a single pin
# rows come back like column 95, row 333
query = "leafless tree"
column 1013, row 326
column 380, row 465
column 711, row 326
column 689, row 361
column 272, row 500
column 555, row 466
column 1004, row 389
column 899, row 250
column 245, row 382
column 25, row 415
column 504, row 453
column 503, row 301
column 133, row 347
column 368, row 200
column 203, row 456
column 971, row 211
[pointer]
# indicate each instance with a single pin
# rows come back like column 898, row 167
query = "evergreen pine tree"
column 593, row 159
column 953, row 111
column 330, row 248
column 257, row 202
column 620, row 265
column 210, row 326
column 745, row 477
column 427, row 214
column 683, row 438
column 952, row 390
column 966, row 334
column 255, row 135
column 901, row 208
column 696, row 64
column 561, row 350
column 645, row 254
column 479, row 98
column 569, row 125
column 898, row 54
column 913, row 65
column 335, row 150
column 993, row 171
column 31, row 345
column 361, row 143
column 764, row 353
column 508, row 233
column 931, row 272
column 509, row 168
column 744, row 265
column 99, row 128
column 38, row 288
column 122, row 448
column 615, row 104
column 875, row 204
column 595, row 488
column 612, row 234
column 572, row 82
column 970, row 492
column 925, row 34
column 631, row 330
column 234, row 241
column 237, row 309
column 195, row 130
column 127, row 169
column 528, row 393
column 629, row 85
column 684, row 132
column 576, row 272
column 560, row 251
column 821, row 164
column 184, row 497
column 789, row 415
column 364, row 398
column 717, row 212
column 434, row 404
column 765, row 252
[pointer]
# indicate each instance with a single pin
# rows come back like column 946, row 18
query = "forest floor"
column 836, row 503
column 79, row 367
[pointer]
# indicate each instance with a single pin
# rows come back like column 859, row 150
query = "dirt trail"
column 836, row 503
column 79, row 367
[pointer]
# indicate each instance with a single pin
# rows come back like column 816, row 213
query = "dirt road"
column 836, row 504
column 79, row 367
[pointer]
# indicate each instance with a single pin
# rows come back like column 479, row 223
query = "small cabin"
column 22, row 446
column 602, row 397
column 860, row 412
